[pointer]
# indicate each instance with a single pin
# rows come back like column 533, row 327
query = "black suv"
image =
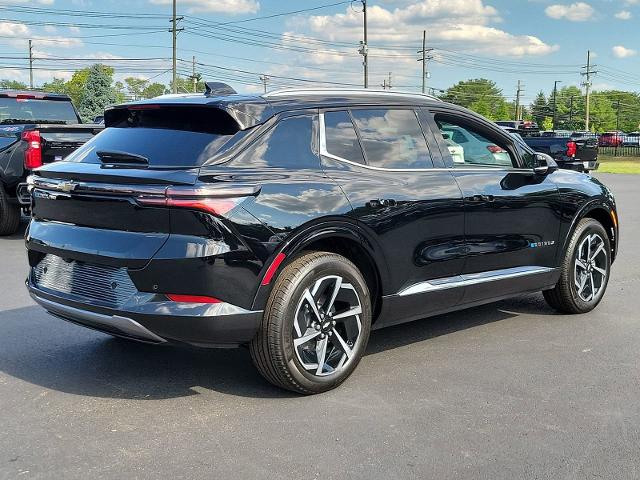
column 297, row 221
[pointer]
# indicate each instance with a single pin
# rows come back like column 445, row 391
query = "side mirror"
column 544, row 164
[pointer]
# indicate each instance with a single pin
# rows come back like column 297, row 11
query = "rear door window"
column 392, row 138
column 289, row 144
column 172, row 136
column 341, row 138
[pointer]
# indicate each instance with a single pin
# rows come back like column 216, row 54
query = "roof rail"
column 341, row 91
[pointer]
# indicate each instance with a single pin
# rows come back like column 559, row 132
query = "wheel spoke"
column 582, row 284
column 341, row 344
column 581, row 264
column 597, row 252
column 312, row 302
column 349, row 313
column 299, row 341
column 601, row 271
column 593, row 286
column 334, row 294
column 321, row 353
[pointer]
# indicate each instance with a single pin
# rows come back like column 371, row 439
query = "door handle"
column 481, row 198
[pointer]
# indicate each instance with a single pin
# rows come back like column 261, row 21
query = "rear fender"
column 308, row 235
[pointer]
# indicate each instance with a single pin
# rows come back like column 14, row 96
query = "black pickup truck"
column 36, row 128
column 570, row 150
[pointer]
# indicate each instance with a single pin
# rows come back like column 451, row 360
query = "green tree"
column 185, row 85
column 98, row 92
column 626, row 106
column 480, row 95
column 135, row 87
column 540, row 108
column 57, row 85
column 13, row 84
column 154, row 90
column 602, row 115
column 570, row 108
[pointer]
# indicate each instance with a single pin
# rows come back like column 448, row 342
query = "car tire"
column 315, row 326
column 585, row 270
column 9, row 215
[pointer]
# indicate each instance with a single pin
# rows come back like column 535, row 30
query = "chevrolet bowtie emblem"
column 67, row 186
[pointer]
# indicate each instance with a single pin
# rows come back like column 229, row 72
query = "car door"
column 412, row 213
column 512, row 215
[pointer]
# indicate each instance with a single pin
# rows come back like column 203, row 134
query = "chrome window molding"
column 472, row 279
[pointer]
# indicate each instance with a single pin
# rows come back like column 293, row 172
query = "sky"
column 238, row 41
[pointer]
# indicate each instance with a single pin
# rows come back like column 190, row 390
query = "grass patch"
column 619, row 165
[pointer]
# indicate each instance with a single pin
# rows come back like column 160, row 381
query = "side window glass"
column 469, row 147
column 289, row 144
column 392, row 138
column 341, row 138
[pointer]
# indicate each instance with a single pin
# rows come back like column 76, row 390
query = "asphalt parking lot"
column 509, row 390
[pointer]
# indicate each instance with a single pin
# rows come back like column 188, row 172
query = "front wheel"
column 315, row 326
column 584, row 270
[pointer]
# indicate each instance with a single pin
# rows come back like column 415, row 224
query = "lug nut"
column 333, row 323
column 323, row 336
column 316, row 326
column 330, row 333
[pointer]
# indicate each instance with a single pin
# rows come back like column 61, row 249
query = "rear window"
column 166, row 136
column 28, row 110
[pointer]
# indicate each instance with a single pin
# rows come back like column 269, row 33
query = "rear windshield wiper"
column 114, row 157
column 17, row 121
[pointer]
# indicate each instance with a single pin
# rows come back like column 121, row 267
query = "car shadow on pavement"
column 53, row 354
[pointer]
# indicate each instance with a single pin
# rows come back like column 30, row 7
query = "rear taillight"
column 495, row 149
column 174, row 297
column 33, row 153
column 214, row 199
column 572, row 149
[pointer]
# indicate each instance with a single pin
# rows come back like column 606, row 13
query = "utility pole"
column 424, row 59
column 587, row 84
column 555, row 103
column 30, row 65
column 264, row 79
column 193, row 73
column 364, row 47
column 518, row 93
column 174, row 30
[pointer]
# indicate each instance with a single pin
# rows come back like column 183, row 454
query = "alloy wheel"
column 327, row 326
column 590, row 267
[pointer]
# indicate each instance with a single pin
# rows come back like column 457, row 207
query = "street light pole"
column 365, row 47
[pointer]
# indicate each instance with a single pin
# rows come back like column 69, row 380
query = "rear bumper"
column 579, row 165
column 152, row 319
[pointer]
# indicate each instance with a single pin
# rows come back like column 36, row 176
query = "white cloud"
column 576, row 12
column 456, row 22
column 233, row 7
column 622, row 52
column 16, row 35
column 623, row 15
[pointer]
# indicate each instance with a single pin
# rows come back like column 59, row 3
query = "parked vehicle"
column 36, row 128
column 297, row 221
column 611, row 139
column 475, row 147
column 631, row 139
column 570, row 152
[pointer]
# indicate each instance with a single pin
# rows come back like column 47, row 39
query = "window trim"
column 325, row 153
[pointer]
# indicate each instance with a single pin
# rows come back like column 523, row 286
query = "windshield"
column 30, row 110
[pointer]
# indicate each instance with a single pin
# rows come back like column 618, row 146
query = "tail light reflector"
column 272, row 268
column 174, row 297
column 572, row 149
column 33, row 153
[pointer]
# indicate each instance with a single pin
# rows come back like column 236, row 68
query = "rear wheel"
column 316, row 324
column 9, row 215
column 585, row 270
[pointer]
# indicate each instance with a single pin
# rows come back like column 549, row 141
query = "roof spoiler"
column 218, row 89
